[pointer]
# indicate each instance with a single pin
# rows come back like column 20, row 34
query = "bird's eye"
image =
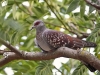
column 36, row 23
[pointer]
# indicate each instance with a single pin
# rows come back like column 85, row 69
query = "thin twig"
column 83, row 35
column 21, row 8
column 3, row 51
column 93, row 4
column 54, row 25
column 13, row 49
column 57, row 15
column 29, row 9
column 60, row 19
column 58, row 70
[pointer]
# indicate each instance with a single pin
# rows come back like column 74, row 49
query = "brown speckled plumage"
column 48, row 40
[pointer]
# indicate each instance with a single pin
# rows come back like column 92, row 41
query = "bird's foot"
column 6, row 55
column 50, row 51
column 44, row 51
column 78, row 50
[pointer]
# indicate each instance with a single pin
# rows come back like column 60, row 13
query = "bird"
column 49, row 40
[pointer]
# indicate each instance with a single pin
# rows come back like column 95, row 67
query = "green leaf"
column 91, row 9
column 18, row 73
column 13, row 37
column 73, row 5
column 66, row 67
column 14, row 10
column 98, row 73
column 82, row 8
column 3, row 35
column 94, row 33
column 13, row 24
column 63, row 10
column 79, row 70
column 44, row 68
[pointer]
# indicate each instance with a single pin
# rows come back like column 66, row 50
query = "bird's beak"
column 32, row 28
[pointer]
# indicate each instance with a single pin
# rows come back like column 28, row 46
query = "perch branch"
column 61, row 52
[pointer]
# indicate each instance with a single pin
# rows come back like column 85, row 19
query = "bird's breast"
column 41, row 42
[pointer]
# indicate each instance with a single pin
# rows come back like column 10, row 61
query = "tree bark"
column 61, row 52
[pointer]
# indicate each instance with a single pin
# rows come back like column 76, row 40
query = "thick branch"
column 61, row 52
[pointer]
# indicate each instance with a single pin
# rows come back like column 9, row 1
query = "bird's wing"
column 57, row 39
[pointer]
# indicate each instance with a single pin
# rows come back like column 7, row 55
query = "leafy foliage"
column 17, row 16
column 80, row 70
column 44, row 68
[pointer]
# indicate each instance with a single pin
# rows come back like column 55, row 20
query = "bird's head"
column 38, row 24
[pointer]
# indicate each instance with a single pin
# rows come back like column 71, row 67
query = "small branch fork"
column 15, row 54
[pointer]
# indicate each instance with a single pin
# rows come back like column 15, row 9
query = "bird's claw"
column 6, row 54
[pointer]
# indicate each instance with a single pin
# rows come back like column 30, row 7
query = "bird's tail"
column 90, row 44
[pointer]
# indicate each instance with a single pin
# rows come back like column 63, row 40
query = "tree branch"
column 93, row 4
column 13, row 49
column 59, row 18
column 58, row 70
column 21, row 8
column 61, row 52
column 3, row 51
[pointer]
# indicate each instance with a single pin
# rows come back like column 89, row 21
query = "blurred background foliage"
column 73, row 17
